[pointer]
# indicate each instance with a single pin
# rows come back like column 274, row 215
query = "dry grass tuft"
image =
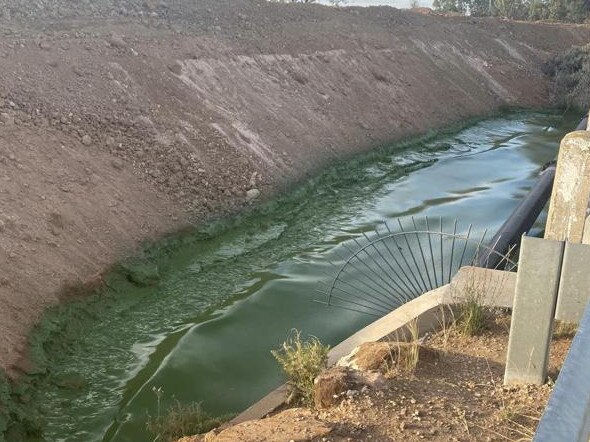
column 473, row 301
column 404, row 353
column 564, row 329
column 409, row 358
column 472, row 317
column 182, row 420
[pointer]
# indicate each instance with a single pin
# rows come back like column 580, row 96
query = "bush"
column 571, row 72
column 472, row 317
column 302, row 362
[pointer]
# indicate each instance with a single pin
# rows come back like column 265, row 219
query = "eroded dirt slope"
column 169, row 112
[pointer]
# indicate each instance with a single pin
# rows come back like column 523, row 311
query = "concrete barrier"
column 574, row 284
column 586, row 236
column 535, row 297
column 571, row 189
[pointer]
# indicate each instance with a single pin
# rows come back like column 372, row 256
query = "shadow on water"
column 226, row 298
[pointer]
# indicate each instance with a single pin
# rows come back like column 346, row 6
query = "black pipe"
column 523, row 217
column 520, row 221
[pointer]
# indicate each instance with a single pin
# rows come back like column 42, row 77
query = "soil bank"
column 123, row 121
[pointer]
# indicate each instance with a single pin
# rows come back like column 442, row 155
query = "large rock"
column 332, row 385
column 382, row 356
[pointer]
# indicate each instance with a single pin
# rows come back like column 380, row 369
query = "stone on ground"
column 382, row 356
column 332, row 385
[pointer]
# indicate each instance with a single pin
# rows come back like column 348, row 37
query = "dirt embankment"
column 123, row 120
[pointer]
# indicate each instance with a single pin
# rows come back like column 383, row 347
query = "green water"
column 230, row 294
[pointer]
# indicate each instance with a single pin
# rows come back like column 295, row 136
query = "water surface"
column 228, row 296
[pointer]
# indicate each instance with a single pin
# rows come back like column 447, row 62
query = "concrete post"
column 586, row 236
column 531, row 328
column 574, row 284
column 571, row 189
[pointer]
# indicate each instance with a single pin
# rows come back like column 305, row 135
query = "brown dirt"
column 171, row 111
column 456, row 397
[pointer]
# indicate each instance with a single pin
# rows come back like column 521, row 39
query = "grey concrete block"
column 571, row 189
column 574, row 285
column 586, row 236
column 535, row 297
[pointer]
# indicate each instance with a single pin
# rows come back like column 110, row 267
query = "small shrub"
column 472, row 299
column 302, row 362
column 182, row 420
column 472, row 317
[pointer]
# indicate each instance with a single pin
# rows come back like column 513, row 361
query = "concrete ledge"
column 586, row 236
column 494, row 288
column 574, row 284
column 430, row 310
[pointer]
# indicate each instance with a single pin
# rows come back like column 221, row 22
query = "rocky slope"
column 122, row 120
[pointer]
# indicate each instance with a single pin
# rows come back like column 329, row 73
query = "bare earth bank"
column 122, row 123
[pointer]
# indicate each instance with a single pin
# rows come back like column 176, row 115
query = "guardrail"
column 567, row 416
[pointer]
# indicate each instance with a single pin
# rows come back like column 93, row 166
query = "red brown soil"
column 169, row 112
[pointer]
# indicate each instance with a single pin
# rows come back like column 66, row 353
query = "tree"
column 459, row 6
column 511, row 9
column 576, row 11
column 480, row 8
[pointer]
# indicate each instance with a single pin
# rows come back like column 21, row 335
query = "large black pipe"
column 523, row 217
column 520, row 221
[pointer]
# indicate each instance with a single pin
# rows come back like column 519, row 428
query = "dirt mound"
column 60, row 9
column 173, row 112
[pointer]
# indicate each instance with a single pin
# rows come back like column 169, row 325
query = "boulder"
column 382, row 356
column 331, row 386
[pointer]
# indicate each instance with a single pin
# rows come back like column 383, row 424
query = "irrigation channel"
column 231, row 292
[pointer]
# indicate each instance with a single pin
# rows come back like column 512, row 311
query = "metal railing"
column 567, row 416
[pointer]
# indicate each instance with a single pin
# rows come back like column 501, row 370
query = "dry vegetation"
column 459, row 396
column 449, row 388
column 571, row 71
column 302, row 362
